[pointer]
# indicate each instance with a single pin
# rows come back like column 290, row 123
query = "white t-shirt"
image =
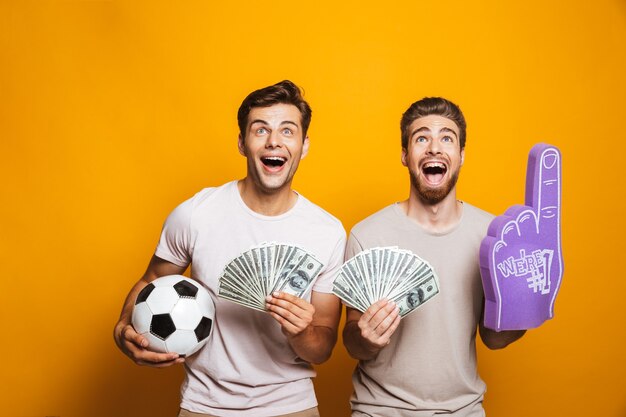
column 247, row 367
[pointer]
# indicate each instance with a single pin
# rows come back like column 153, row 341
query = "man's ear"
column 240, row 145
column 403, row 156
column 305, row 148
column 462, row 156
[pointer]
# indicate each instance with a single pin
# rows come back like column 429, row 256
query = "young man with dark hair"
column 425, row 364
column 255, row 363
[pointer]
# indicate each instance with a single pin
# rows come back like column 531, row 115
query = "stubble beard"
column 432, row 196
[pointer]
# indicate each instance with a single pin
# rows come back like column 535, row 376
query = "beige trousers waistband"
column 311, row 412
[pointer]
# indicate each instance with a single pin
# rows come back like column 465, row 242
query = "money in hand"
column 396, row 274
column 269, row 267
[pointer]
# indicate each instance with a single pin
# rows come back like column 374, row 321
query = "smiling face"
column 433, row 156
column 273, row 146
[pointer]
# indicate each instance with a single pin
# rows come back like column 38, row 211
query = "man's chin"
column 273, row 185
column 433, row 195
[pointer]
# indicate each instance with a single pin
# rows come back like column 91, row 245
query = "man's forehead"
column 433, row 123
column 275, row 113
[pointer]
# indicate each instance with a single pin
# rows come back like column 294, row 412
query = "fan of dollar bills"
column 396, row 274
column 266, row 268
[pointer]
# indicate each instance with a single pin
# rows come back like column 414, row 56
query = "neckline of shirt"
column 235, row 191
column 396, row 209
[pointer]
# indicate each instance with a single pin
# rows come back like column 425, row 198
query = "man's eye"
column 421, row 139
column 287, row 131
column 261, row 131
column 446, row 139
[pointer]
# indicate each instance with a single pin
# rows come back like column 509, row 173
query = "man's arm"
column 130, row 342
column 497, row 340
column 311, row 328
column 366, row 334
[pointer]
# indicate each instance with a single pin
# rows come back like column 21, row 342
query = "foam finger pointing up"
column 543, row 183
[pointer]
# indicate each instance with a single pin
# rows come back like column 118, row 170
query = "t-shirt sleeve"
column 353, row 247
column 324, row 282
column 175, row 244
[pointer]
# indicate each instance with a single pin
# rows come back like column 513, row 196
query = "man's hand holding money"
column 293, row 313
column 372, row 329
column 379, row 322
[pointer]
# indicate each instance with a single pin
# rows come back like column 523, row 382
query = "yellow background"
column 111, row 113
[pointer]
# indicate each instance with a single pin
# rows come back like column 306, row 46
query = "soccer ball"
column 175, row 314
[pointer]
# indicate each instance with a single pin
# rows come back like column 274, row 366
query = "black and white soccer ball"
column 175, row 314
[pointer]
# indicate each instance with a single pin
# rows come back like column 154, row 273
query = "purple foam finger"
column 520, row 259
column 548, row 203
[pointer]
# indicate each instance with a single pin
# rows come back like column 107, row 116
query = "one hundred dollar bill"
column 268, row 267
column 387, row 272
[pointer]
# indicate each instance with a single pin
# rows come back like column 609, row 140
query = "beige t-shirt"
column 247, row 368
column 430, row 364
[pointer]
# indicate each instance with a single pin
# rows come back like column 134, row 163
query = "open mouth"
column 273, row 161
column 434, row 172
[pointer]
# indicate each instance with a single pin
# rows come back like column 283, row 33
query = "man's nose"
column 273, row 140
column 434, row 147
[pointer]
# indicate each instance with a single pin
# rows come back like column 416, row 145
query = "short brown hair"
column 284, row 92
column 432, row 105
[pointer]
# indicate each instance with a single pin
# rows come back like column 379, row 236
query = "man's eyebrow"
column 288, row 122
column 258, row 121
column 281, row 123
column 427, row 129
column 447, row 129
column 421, row 129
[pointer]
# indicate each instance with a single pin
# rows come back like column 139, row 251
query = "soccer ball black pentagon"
column 175, row 314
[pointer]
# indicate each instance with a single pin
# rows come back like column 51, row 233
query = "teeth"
column 275, row 158
column 434, row 165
